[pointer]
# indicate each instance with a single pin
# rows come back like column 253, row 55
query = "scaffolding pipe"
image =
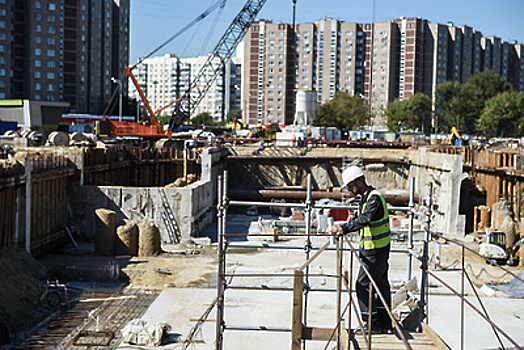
column 307, row 247
column 340, row 257
column 296, row 247
column 411, row 221
column 220, row 292
column 425, row 252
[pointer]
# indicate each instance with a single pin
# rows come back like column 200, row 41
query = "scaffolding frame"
column 301, row 283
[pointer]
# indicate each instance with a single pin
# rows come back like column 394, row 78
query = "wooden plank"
column 296, row 321
column 323, row 334
column 435, row 338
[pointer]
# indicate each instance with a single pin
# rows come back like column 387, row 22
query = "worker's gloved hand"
column 336, row 230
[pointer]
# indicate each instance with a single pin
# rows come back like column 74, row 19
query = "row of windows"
column 50, row 52
column 50, row 18
column 50, row 6
column 50, row 29
column 50, row 75
column 50, row 41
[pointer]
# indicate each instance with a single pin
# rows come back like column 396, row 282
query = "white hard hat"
column 351, row 174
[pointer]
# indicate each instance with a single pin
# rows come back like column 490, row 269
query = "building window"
column 50, row 75
column 50, row 18
column 38, row 87
column 38, row 40
column 51, row 29
column 51, row 64
column 50, row 53
column 50, row 87
column 38, row 51
column 38, row 28
column 38, row 5
column 51, row 7
column 38, row 63
column 37, row 75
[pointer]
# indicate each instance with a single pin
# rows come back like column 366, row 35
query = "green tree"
column 503, row 115
column 203, row 118
column 414, row 114
column 461, row 105
column 272, row 129
column 395, row 116
column 344, row 111
column 231, row 115
column 444, row 95
column 488, row 84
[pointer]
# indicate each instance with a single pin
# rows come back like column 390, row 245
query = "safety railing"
column 300, row 330
column 482, row 312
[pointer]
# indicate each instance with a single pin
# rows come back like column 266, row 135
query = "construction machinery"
column 199, row 86
column 257, row 132
column 454, row 138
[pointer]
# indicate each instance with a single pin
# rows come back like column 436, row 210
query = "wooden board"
column 393, row 342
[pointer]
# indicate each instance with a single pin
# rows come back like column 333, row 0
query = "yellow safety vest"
column 377, row 233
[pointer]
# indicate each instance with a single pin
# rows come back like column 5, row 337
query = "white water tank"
column 306, row 107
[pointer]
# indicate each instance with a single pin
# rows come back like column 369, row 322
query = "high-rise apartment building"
column 63, row 50
column 166, row 78
column 268, row 74
column 378, row 61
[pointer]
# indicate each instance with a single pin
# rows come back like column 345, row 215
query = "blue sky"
column 154, row 21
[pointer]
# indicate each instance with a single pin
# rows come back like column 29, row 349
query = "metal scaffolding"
column 300, row 331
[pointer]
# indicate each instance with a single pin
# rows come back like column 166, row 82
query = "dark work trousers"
column 376, row 262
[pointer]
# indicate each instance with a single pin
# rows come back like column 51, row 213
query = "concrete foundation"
column 192, row 206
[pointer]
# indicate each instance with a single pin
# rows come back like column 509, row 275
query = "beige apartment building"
column 379, row 61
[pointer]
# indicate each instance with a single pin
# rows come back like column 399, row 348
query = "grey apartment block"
column 380, row 61
column 63, row 50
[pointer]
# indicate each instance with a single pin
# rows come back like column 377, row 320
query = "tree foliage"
column 203, row 118
column 503, row 115
column 461, row 105
column 232, row 114
column 344, row 111
column 413, row 114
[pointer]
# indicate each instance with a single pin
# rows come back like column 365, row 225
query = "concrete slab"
column 261, row 319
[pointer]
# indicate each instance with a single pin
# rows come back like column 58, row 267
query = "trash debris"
column 140, row 332
column 512, row 289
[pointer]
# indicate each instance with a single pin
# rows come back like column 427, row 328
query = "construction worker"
column 373, row 224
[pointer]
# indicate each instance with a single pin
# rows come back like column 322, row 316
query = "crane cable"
column 214, row 6
column 212, row 29
column 218, row 4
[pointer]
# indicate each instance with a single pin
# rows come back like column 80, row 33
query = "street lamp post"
column 119, row 82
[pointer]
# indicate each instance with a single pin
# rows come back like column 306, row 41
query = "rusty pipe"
column 393, row 197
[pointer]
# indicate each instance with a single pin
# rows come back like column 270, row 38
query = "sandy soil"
column 172, row 270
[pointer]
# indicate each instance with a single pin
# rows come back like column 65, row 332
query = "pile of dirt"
column 20, row 289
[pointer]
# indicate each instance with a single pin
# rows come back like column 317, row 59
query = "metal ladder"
column 173, row 232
